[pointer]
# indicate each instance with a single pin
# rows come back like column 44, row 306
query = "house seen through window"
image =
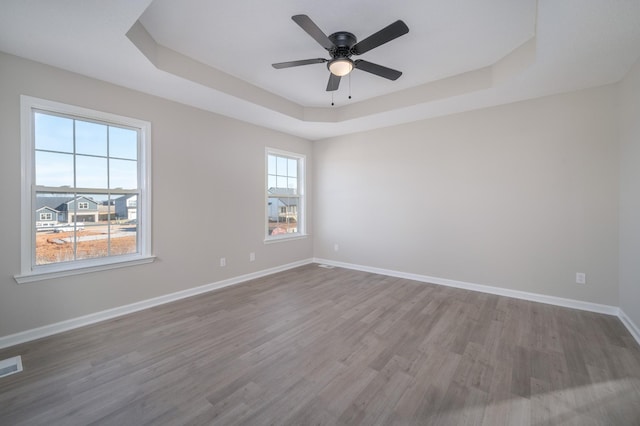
column 285, row 191
column 86, row 177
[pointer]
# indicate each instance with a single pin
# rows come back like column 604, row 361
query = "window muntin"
column 285, row 194
column 79, row 164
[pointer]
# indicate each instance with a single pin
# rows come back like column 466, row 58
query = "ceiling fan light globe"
column 341, row 67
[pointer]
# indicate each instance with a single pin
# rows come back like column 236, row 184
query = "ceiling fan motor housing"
column 343, row 41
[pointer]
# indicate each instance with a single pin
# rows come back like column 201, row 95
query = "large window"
column 285, row 195
column 83, row 165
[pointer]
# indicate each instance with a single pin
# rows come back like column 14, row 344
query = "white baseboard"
column 59, row 327
column 51, row 329
column 517, row 294
column 631, row 326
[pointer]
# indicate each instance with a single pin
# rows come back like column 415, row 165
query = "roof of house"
column 47, row 208
column 282, row 191
column 56, row 202
column 282, row 194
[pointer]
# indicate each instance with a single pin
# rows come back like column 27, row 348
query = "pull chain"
column 332, row 99
column 349, row 85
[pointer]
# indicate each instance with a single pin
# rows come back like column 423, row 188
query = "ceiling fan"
column 342, row 45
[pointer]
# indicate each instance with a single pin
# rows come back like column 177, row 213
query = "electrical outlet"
column 252, row 257
column 223, row 261
column 581, row 278
column 336, row 247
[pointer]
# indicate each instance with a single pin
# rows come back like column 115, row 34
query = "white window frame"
column 29, row 271
column 83, row 205
column 302, row 217
column 46, row 216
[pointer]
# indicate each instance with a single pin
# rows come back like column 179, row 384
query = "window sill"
column 58, row 273
column 283, row 238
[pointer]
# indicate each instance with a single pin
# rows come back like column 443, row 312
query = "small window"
column 284, row 195
column 79, row 162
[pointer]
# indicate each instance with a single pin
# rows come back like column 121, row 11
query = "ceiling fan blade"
column 334, row 82
column 313, row 30
column 290, row 64
column 378, row 70
column 383, row 36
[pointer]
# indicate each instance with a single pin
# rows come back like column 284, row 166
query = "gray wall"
column 630, row 194
column 196, row 156
column 520, row 196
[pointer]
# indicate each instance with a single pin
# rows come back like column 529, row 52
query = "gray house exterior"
column 85, row 211
column 127, row 207
column 281, row 205
column 46, row 217
column 54, row 211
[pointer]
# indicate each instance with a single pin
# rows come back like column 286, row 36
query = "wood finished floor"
column 315, row 346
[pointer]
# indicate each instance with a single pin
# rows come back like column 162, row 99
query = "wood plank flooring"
column 313, row 346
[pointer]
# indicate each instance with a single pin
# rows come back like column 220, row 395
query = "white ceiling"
column 458, row 55
column 242, row 40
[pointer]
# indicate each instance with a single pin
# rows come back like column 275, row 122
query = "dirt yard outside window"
column 92, row 242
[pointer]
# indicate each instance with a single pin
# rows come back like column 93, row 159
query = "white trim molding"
column 516, row 294
column 51, row 329
column 100, row 265
column 631, row 326
column 59, row 327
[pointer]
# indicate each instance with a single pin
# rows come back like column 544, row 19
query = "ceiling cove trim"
column 170, row 61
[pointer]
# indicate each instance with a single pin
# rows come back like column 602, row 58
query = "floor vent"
column 10, row 366
column 322, row 265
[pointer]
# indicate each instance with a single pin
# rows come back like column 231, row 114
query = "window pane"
column 281, row 168
column 91, row 138
column 282, row 215
column 292, row 183
column 54, row 169
column 82, row 208
column 126, row 208
column 271, row 164
column 123, row 143
column 292, row 167
column 53, row 133
column 92, row 236
column 52, row 236
column 288, row 214
column 123, row 174
column 124, row 236
column 91, row 172
column 272, row 214
column 271, row 181
column 281, row 182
